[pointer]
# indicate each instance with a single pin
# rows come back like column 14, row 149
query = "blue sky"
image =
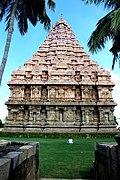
column 82, row 19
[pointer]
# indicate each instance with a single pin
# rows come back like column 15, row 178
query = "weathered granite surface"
column 107, row 161
column 19, row 160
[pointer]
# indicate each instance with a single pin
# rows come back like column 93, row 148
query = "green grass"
column 60, row 160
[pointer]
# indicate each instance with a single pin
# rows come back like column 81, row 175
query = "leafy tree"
column 22, row 11
column 107, row 28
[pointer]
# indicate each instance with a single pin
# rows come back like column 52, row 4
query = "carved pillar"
column 99, row 93
column 95, row 93
column 104, row 115
column 21, row 112
column 101, row 118
column 44, row 114
column 40, row 91
column 74, row 113
column 31, row 89
column 34, row 116
column 57, row 113
column 77, row 93
column 73, row 90
column 44, row 93
column 78, row 117
column 61, row 115
column 48, row 88
column 22, row 92
column 39, row 114
column 110, row 94
column 87, row 116
column 86, row 93
column 83, row 115
column 26, row 115
column 30, row 113
column 10, row 116
column 82, row 94
column 61, row 93
column 15, row 115
column 90, row 93
column 91, row 109
column 57, row 92
column 11, row 93
column 51, row 93
column 48, row 113
column 65, row 114
column 111, row 115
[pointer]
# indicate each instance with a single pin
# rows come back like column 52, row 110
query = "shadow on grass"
column 89, row 174
column 62, row 173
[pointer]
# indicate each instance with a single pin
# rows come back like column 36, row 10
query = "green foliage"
column 56, row 135
column 1, row 125
column 107, row 28
column 106, row 3
column 22, row 13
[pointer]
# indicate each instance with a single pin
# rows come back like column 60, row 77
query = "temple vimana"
column 61, row 89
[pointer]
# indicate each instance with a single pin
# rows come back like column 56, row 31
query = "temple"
column 61, row 89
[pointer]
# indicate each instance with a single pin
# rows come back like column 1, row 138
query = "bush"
column 57, row 135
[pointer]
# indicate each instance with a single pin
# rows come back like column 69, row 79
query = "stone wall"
column 60, row 113
column 19, row 160
column 107, row 161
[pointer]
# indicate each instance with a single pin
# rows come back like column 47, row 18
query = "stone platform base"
column 60, row 129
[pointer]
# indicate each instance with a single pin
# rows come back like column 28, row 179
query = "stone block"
column 4, row 168
column 28, row 150
column 114, row 153
column 118, row 153
column 107, row 161
column 21, row 162
column 3, row 144
column 16, row 158
column 36, row 146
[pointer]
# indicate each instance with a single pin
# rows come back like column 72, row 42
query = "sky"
column 82, row 19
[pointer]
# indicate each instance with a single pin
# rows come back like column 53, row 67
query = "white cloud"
column 116, row 79
column 3, row 111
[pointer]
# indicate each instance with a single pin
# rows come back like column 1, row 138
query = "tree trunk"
column 8, row 41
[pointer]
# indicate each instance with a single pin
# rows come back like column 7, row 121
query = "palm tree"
column 107, row 28
column 22, row 11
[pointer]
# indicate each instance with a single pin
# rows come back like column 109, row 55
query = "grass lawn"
column 60, row 160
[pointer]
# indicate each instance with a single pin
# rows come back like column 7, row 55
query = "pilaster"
column 83, row 115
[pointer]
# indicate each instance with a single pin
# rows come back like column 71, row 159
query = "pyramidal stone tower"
column 61, row 89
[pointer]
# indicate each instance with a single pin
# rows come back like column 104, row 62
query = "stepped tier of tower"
column 61, row 60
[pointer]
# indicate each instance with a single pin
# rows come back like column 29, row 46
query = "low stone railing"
column 19, row 160
column 107, row 161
